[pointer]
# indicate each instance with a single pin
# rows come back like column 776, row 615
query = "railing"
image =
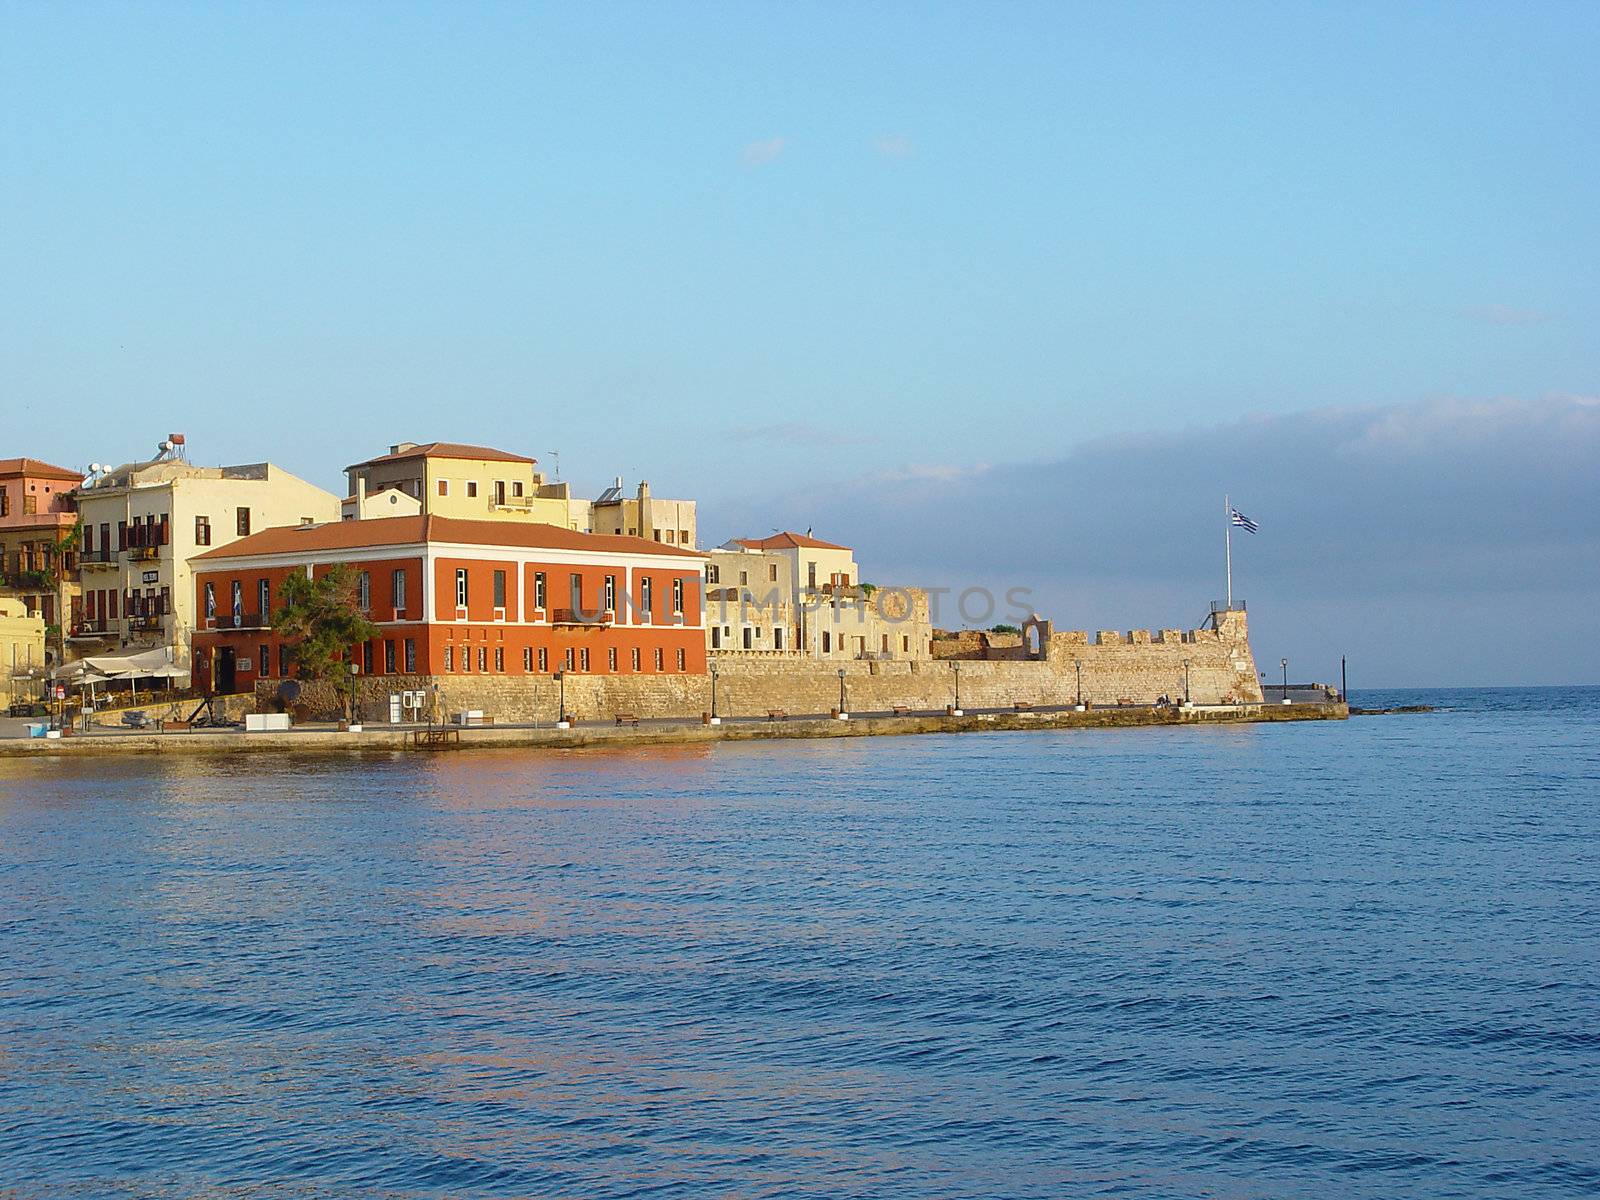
column 94, row 628
column 572, row 616
column 145, row 623
column 100, row 554
column 242, row 621
column 143, row 553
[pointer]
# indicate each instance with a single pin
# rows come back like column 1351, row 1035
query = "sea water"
column 1342, row 959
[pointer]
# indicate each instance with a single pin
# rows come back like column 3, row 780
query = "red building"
column 458, row 597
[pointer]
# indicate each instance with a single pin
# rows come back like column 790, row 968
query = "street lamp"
column 1186, row 681
column 1284, row 663
column 843, row 715
column 355, row 669
column 561, row 706
column 1077, row 665
column 956, row 667
column 715, row 720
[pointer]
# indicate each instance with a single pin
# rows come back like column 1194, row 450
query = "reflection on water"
column 1353, row 960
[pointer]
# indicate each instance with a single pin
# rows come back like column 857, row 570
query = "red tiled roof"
column 788, row 541
column 32, row 466
column 445, row 450
column 409, row 531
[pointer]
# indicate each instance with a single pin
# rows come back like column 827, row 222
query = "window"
column 444, row 487
column 611, row 659
column 661, row 660
column 811, row 574
column 826, row 642
column 571, row 657
column 777, row 637
column 527, row 658
column 611, row 593
column 499, row 491
column 411, row 656
column 669, row 537
column 713, row 575
column 683, row 537
column 677, row 596
column 5, row 503
column 748, row 632
column 682, row 662
column 538, row 589
column 122, row 535
column 886, row 643
column 166, row 600
column 264, row 598
column 583, row 659
column 772, row 572
column 636, row 658
column 388, row 656
column 716, row 637
column 516, row 488
column 30, row 505
column 499, row 658
column 499, row 589
column 466, row 658
column 461, row 587
column 905, row 644
column 202, row 531
column 472, row 489
column 483, row 658
column 658, row 535
column 366, row 658
column 242, row 522
column 744, row 578
column 397, row 588
column 544, row 659
column 364, row 591
column 647, row 596
column 283, row 660
column 263, row 660
column 449, row 658
column 575, row 588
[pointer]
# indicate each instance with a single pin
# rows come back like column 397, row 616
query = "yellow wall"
column 458, row 475
column 21, row 647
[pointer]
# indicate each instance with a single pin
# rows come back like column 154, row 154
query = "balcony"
column 89, row 630
column 100, row 556
column 143, row 553
column 573, row 616
column 241, row 621
column 146, row 623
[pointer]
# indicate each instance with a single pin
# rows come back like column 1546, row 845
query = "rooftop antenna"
column 555, row 457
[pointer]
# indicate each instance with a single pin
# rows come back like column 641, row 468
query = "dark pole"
column 713, row 689
column 841, row 689
column 1344, row 688
column 957, row 668
column 1077, row 665
column 1186, row 681
column 1284, row 662
column 561, row 678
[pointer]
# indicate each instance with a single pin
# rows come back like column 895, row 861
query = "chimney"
column 402, row 447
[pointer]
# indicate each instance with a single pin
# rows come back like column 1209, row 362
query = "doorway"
column 226, row 671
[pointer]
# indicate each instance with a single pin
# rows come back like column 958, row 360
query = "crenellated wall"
column 1138, row 667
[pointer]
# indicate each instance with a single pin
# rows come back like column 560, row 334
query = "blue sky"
column 788, row 258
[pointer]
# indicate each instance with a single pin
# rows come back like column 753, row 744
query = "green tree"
column 321, row 621
column 1004, row 629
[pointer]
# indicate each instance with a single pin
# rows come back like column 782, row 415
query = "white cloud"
column 796, row 433
column 894, row 145
column 760, row 153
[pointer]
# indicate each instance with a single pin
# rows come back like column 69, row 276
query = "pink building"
column 38, row 559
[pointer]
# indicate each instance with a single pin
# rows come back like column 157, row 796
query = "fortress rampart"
column 1043, row 667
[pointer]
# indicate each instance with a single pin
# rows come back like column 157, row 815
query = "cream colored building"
column 798, row 594
column 22, row 661
column 367, row 506
column 671, row 522
column 479, row 483
column 142, row 522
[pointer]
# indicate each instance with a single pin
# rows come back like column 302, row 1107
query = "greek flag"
column 1242, row 521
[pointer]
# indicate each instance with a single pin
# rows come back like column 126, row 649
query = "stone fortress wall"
column 1039, row 667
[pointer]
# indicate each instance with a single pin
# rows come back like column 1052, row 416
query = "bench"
column 777, row 714
column 628, row 719
column 1021, row 705
column 900, row 710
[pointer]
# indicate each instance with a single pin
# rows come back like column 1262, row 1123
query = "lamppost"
column 1284, row 663
column 1186, row 681
column 843, row 714
column 355, row 669
column 1077, row 666
column 956, row 711
column 561, row 705
column 715, row 720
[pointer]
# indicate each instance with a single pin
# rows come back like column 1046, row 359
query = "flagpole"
column 1227, row 512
